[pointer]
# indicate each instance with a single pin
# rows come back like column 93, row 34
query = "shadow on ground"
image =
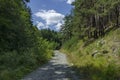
column 55, row 69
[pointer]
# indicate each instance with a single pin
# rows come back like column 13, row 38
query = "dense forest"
column 53, row 37
column 22, row 46
column 90, row 37
column 91, row 19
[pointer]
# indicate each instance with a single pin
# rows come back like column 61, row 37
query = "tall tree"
column 92, row 18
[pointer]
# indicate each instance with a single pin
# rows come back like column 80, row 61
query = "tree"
column 67, row 27
column 92, row 18
column 51, row 36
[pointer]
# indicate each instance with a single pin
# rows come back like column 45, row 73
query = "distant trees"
column 92, row 18
column 52, row 36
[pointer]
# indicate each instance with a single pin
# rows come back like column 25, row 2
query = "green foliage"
column 104, row 64
column 91, row 40
column 66, row 30
column 91, row 19
column 52, row 36
column 69, row 45
column 15, row 65
column 22, row 49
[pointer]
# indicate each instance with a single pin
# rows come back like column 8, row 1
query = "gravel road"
column 56, row 69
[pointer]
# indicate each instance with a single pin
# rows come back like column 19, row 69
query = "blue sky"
column 49, row 13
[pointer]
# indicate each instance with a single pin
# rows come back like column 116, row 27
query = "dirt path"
column 56, row 69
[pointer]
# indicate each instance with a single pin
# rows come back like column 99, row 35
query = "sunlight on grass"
column 99, row 60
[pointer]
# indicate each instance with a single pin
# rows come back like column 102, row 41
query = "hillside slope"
column 96, row 59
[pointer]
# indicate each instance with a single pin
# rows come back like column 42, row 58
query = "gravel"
column 56, row 69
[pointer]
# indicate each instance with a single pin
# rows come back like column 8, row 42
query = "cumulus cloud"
column 51, row 17
column 70, row 1
column 41, row 25
column 58, row 26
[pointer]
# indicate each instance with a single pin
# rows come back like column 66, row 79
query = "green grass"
column 104, row 65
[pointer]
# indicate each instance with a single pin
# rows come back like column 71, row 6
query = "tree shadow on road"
column 53, row 71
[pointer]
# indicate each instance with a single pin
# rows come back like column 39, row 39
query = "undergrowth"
column 15, row 65
column 97, row 61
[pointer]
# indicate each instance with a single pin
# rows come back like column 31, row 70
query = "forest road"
column 56, row 69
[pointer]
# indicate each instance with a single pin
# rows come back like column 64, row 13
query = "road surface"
column 56, row 69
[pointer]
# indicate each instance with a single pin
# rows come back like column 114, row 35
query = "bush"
column 14, row 65
column 70, row 43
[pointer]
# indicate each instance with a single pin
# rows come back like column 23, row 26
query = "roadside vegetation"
column 91, row 38
column 97, row 61
column 22, row 46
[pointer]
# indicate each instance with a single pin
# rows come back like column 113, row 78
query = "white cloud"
column 58, row 26
column 51, row 17
column 40, row 25
column 70, row 1
column 67, row 1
